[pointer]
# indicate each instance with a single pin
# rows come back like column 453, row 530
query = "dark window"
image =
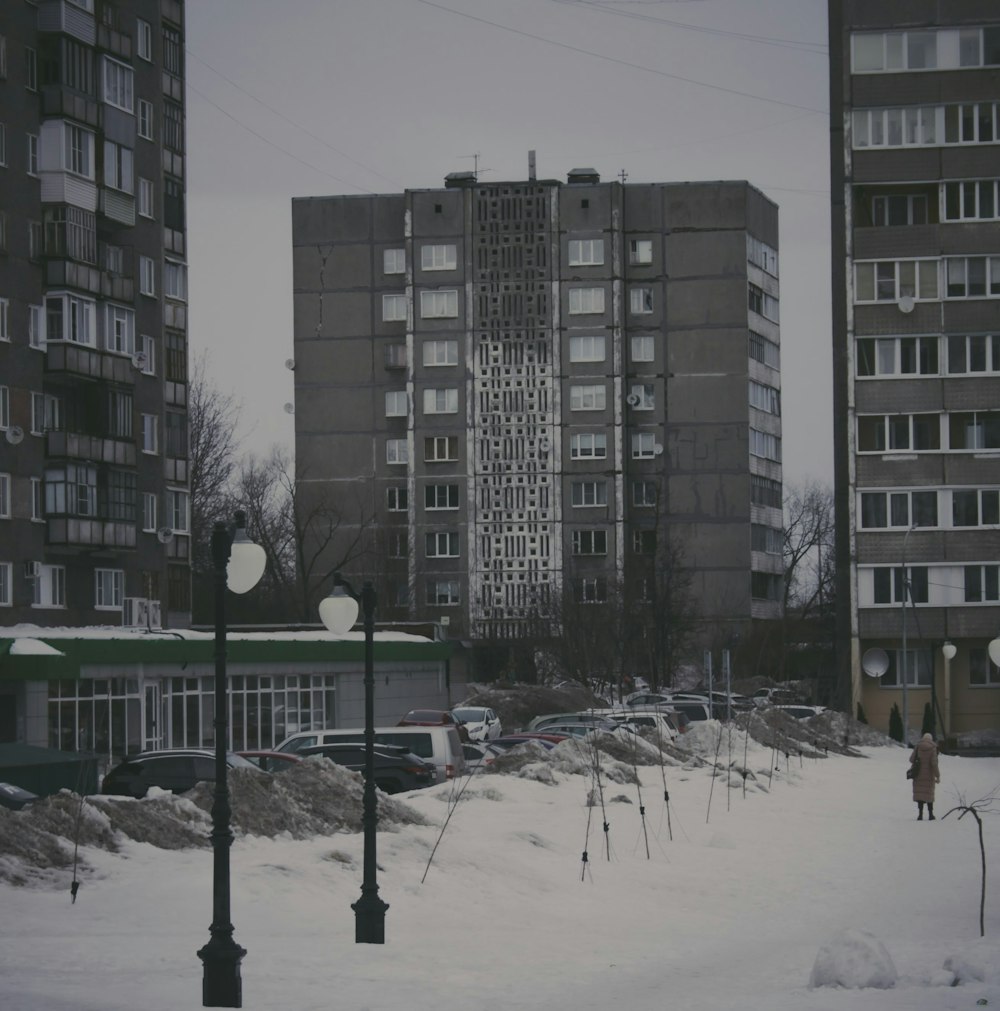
column 173, row 126
column 176, row 442
column 173, row 50
column 176, row 356
column 173, row 203
column 178, row 588
column 119, row 496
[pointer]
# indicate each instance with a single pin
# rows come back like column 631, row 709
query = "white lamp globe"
column 338, row 611
column 948, row 650
column 247, row 562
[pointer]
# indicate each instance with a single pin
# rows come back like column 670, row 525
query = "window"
column 145, row 128
column 37, row 500
column 765, row 491
column 442, row 544
column 441, row 448
column 109, row 589
column 393, row 308
column 70, row 318
column 3, row 144
column 974, row 430
column 117, row 84
column 590, row 542
column 32, row 160
column 175, row 356
column 443, row 592
column 396, row 404
column 889, row 586
column 397, row 498
column 36, row 326
column 49, row 587
column 35, row 240
column 394, row 261
column 640, row 300
column 586, row 301
column 119, row 414
column 175, row 280
column 760, row 254
column 891, row 280
column 71, row 490
column 765, row 586
column 6, row 597
column 586, row 349
column 441, row 496
column 589, row 493
column 443, row 401
column 897, row 356
column 982, row 584
column 765, row 539
column 119, row 329
column 397, row 544
column 643, row 445
column 143, row 39
column 173, row 203
column 150, row 442
column 145, row 207
column 644, row 493
column 760, row 302
column 916, row 664
column 898, row 509
column 586, row 252
column 71, row 233
column 78, row 150
column 972, row 123
column 975, row 507
column 4, row 496
column 587, row 398
column 643, row 349
column 972, row 201
column 438, row 258
column 640, row 251
column 763, row 350
column 642, row 396
column 175, row 435
column 177, row 502
column 173, row 51
column 644, row 542
column 46, row 413
column 588, row 446
column 591, row 590
column 765, row 398
column 4, row 407
column 982, row 671
column 765, row 445
column 395, row 356
column 149, row 511
column 438, row 304
column 397, row 451
column 147, row 276
column 891, row 433
column 173, row 127
column 440, row 353
column 3, row 57
column 973, row 353
column 4, row 318
column 972, row 276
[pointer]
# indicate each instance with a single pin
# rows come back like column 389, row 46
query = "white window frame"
column 4, row 408
column 119, row 167
column 588, row 494
column 643, row 445
column 37, row 500
column 79, row 319
column 977, row 349
column 643, row 348
column 119, row 329
column 397, row 451
column 887, row 354
column 588, row 348
column 149, row 511
column 589, row 542
column 644, row 494
column 588, row 446
column 5, row 496
column 442, row 544
column 394, row 308
column 441, row 304
column 890, row 280
column 959, row 269
column 144, row 40
column 585, row 252
column 393, row 261
column 175, row 280
column 589, row 397
column 644, row 394
column 444, row 593
column 443, row 256
column 440, row 497
column 144, row 205
column 32, row 154
column 440, row 352
column 640, row 300
column 441, row 401
column 178, row 510
column 6, row 591
column 109, row 589
column 117, row 86
column 147, row 276
column 397, row 404
column 144, row 127
column 150, row 434
column 586, row 301
column 640, row 252
column 436, row 443
column 49, row 587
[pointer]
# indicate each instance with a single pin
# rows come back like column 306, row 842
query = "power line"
column 618, row 61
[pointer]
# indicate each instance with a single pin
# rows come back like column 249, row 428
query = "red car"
column 433, row 718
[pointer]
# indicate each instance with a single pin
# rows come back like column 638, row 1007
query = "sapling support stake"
column 596, row 759
column 715, row 769
column 451, row 810
column 638, row 790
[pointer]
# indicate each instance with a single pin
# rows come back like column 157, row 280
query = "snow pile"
column 980, row 962
column 854, row 958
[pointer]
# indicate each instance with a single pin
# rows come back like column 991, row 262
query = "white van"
column 440, row 745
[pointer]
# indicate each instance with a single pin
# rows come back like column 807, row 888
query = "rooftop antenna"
column 475, row 164
column 623, row 175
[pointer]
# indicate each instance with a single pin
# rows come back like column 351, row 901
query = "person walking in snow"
column 924, row 762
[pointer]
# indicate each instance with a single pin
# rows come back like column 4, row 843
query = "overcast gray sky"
column 317, row 97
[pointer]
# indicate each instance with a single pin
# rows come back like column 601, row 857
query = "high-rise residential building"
column 94, row 499
column 915, row 105
column 512, row 394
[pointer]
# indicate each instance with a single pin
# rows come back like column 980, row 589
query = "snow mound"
column 978, row 962
column 855, row 959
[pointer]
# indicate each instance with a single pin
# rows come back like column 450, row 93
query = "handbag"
column 911, row 773
column 914, row 770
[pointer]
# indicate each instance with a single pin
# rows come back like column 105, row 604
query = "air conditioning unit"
column 134, row 612
column 153, row 619
column 32, row 570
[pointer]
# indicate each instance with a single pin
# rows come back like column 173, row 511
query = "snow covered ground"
column 822, row 853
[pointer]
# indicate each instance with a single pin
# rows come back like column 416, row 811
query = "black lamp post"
column 338, row 612
column 238, row 564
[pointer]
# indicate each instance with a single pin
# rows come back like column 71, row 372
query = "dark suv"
column 176, row 770
column 396, row 769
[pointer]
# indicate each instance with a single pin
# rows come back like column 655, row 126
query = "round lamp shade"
column 949, row 649
column 247, row 562
column 338, row 612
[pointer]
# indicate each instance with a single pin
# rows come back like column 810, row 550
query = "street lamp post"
column 904, row 658
column 238, row 564
column 338, row 612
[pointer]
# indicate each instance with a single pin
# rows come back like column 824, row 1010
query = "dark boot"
column 930, row 812
column 920, row 810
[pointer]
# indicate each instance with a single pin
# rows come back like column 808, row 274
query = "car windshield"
column 469, row 715
column 239, row 762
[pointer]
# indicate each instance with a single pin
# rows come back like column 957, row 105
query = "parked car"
column 396, row 769
column 15, row 797
column 440, row 745
column 583, row 729
column 658, row 722
column 802, row 712
column 270, row 761
column 481, row 723
column 694, row 711
column 590, row 716
column 176, row 770
column 433, row 718
column 776, row 697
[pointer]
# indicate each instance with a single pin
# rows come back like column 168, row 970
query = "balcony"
column 78, row 360
column 92, row 533
column 60, row 16
column 65, row 103
column 95, row 448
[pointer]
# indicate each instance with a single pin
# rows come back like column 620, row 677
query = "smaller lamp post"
column 338, row 613
column 238, row 564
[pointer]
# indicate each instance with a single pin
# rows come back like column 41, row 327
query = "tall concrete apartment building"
column 915, row 105
column 527, row 384
column 93, row 316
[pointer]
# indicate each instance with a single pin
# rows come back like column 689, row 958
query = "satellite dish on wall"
column 14, row 434
column 164, row 535
column 875, row 662
column 905, row 304
column 289, row 408
column 140, row 361
column 290, row 364
column 632, row 400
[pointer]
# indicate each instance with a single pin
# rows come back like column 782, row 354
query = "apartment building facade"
column 518, row 391
column 94, row 500
column 915, row 106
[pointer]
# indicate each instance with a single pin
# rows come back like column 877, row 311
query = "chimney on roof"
column 531, row 166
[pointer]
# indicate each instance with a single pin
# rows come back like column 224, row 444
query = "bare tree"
column 976, row 808
column 808, row 548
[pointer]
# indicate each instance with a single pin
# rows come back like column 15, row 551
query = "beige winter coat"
column 923, row 782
